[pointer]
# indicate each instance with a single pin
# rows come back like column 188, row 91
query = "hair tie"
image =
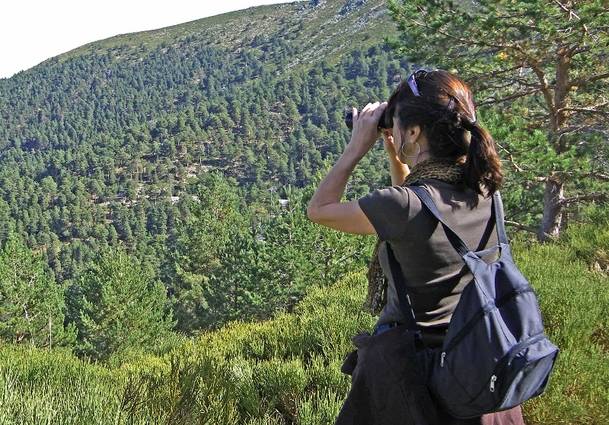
column 467, row 124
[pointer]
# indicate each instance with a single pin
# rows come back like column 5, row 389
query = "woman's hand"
column 397, row 168
column 365, row 128
column 389, row 144
column 408, row 154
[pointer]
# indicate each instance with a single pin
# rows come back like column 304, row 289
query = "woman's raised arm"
column 325, row 207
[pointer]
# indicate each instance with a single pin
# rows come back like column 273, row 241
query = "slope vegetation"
column 287, row 370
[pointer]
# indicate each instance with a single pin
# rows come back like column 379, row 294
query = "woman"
column 436, row 141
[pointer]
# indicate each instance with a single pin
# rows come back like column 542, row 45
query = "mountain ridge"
column 353, row 15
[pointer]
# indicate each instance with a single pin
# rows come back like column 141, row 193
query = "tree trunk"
column 552, row 209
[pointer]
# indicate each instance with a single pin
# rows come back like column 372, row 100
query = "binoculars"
column 385, row 121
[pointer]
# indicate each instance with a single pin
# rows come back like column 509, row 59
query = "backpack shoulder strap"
column 402, row 292
column 453, row 238
column 499, row 218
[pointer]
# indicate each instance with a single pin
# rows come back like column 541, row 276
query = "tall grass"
column 287, row 370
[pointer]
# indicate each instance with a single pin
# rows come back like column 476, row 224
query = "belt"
column 379, row 329
column 383, row 327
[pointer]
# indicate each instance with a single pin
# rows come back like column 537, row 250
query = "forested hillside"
column 111, row 144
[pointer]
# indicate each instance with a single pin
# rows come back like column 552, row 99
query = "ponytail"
column 482, row 165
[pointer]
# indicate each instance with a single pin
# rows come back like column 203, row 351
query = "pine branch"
column 477, row 41
column 598, row 176
column 481, row 79
column 591, row 175
column 510, row 158
column 492, row 100
column 588, row 110
column 595, row 196
column 579, row 49
column 544, row 87
column 578, row 128
column 566, row 9
column 581, row 82
column 520, row 226
column 594, row 109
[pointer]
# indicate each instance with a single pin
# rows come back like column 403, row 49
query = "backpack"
column 495, row 354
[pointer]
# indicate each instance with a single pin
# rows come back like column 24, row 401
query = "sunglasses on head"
column 412, row 79
column 386, row 120
column 412, row 83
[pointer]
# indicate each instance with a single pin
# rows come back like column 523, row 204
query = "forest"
column 101, row 155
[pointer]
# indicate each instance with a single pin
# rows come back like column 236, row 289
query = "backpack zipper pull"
column 493, row 379
column 442, row 358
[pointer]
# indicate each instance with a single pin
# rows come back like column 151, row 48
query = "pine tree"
column 542, row 60
column 121, row 306
column 210, row 230
column 31, row 303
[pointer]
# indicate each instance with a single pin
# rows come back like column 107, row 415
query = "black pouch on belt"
column 349, row 363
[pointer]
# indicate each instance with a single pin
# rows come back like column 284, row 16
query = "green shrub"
column 287, row 370
column 574, row 302
column 319, row 408
column 590, row 242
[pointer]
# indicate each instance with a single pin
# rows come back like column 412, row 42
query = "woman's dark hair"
column 446, row 112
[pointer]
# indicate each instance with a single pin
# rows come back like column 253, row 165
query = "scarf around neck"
column 444, row 169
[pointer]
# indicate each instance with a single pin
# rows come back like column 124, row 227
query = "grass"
column 287, row 370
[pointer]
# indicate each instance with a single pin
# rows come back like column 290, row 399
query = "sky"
column 32, row 31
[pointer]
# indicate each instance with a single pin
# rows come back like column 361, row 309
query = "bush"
column 287, row 370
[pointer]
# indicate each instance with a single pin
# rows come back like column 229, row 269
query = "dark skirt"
column 388, row 386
